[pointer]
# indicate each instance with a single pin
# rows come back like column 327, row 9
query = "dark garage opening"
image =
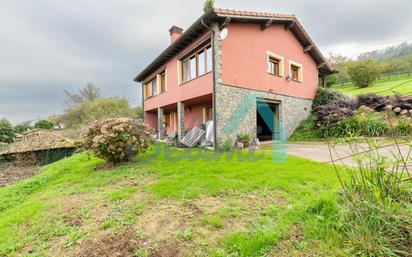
column 267, row 118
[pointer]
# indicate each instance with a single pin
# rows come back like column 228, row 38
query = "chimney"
column 175, row 33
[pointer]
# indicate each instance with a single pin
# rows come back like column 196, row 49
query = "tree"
column 6, row 131
column 138, row 112
column 95, row 110
column 339, row 63
column 22, row 127
column 90, row 93
column 208, row 5
column 363, row 73
column 43, row 124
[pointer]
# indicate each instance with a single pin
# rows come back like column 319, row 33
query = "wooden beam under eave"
column 321, row 65
column 308, row 48
column 290, row 25
column 225, row 23
column 267, row 24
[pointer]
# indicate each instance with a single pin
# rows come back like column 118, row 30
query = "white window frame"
column 281, row 63
column 300, row 70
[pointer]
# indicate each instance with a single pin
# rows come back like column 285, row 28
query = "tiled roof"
column 253, row 14
column 37, row 141
column 220, row 15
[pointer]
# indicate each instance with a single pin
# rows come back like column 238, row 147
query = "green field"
column 385, row 86
column 164, row 207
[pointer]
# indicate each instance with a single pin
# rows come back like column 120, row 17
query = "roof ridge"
column 251, row 13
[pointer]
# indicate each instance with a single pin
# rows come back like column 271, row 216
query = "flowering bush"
column 118, row 139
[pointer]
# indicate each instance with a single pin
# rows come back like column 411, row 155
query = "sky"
column 48, row 46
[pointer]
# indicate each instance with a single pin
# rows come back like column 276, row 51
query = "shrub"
column 226, row 146
column 208, row 5
column 363, row 73
column 335, row 111
column 403, row 102
column 325, row 96
column 118, row 139
column 43, row 124
column 6, row 131
column 243, row 137
column 403, row 127
column 372, row 125
column 22, row 127
column 373, row 101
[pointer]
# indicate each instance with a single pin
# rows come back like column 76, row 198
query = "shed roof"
column 220, row 15
column 39, row 140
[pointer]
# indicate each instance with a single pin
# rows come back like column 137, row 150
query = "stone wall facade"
column 236, row 111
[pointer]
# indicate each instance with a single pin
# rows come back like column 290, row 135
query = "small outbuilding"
column 38, row 146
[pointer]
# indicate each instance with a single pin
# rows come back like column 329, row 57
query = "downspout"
column 142, row 84
column 215, row 146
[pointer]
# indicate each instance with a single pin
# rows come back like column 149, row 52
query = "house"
column 248, row 72
column 39, row 146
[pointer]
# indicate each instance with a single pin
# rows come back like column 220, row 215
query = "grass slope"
column 206, row 207
column 384, row 86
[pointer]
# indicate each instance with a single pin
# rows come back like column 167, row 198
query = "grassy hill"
column 172, row 207
column 385, row 86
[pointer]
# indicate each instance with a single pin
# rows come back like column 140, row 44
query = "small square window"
column 295, row 72
column 274, row 66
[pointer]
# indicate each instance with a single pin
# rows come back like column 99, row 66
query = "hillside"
column 384, row 86
column 394, row 51
column 160, row 207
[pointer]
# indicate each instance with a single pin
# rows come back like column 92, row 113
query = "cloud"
column 47, row 46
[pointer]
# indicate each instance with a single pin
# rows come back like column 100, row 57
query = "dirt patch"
column 13, row 172
column 122, row 244
column 294, row 245
column 167, row 249
column 74, row 221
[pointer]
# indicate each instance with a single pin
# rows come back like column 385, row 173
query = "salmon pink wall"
column 194, row 118
column 244, row 60
column 150, row 119
column 175, row 93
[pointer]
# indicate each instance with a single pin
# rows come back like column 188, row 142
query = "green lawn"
column 384, row 86
column 206, row 207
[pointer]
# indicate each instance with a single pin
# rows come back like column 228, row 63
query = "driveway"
column 342, row 154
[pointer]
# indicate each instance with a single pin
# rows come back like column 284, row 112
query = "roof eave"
column 186, row 38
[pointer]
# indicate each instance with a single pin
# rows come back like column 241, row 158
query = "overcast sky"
column 47, row 46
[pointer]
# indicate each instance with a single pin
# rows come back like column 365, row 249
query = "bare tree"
column 89, row 93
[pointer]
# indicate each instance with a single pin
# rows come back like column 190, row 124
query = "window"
column 295, row 70
column 209, row 59
column 274, row 64
column 153, row 85
column 186, row 70
column 192, row 67
column 197, row 64
column 201, row 68
column 163, row 82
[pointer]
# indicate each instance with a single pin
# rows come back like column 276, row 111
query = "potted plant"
column 244, row 138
